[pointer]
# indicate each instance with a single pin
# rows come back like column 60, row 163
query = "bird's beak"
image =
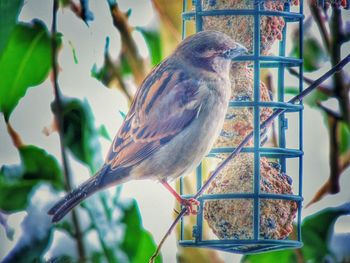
column 235, row 52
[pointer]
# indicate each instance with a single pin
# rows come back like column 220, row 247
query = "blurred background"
column 99, row 70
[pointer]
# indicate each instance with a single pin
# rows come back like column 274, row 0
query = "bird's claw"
column 189, row 204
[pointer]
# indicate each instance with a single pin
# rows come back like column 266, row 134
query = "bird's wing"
column 166, row 103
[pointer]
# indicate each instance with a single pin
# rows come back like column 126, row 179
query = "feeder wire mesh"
column 258, row 14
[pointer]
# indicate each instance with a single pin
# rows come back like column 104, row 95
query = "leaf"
column 36, row 166
column 138, row 244
column 291, row 90
column 24, row 63
column 344, row 137
column 104, row 133
column 9, row 10
column 8, row 230
column 37, row 229
column 86, row 13
column 152, row 38
column 80, row 135
column 74, row 52
column 125, row 68
column 284, row 256
column 314, row 55
column 317, row 230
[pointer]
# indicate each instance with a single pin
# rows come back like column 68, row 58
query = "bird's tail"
column 68, row 202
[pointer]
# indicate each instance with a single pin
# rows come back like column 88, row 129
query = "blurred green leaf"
column 284, row 256
column 80, row 134
column 314, row 55
column 291, row 90
column 104, row 133
column 74, row 52
column 344, row 137
column 152, row 38
column 24, row 63
column 9, row 10
column 138, row 243
column 317, row 230
column 30, row 251
column 36, row 166
column 37, row 229
column 10, row 231
column 125, row 68
column 65, row 3
column 316, row 233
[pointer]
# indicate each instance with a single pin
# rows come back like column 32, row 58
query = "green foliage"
column 80, row 135
column 103, row 132
column 344, row 138
column 138, row 243
column 25, row 62
column 154, row 44
column 316, row 232
column 28, row 252
column 9, row 10
column 314, row 54
column 36, row 166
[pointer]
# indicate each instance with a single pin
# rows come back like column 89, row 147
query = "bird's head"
column 210, row 50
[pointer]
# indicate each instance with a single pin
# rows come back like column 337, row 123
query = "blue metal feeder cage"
column 281, row 153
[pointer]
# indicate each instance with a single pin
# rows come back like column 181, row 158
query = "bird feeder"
column 253, row 205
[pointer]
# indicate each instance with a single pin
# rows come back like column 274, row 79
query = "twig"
column 118, row 77
column 269, row 86
column 120, row 21
column 169, row 24
column 316, row 13
column 240, row 146
column 333, row 155
column 59, row 117
column 327, row 91
column 16, row 139
column 329, row 112
column 340, row 89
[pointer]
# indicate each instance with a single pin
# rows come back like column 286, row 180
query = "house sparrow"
column 174, row 119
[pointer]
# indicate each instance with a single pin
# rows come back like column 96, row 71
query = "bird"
column 174, row 119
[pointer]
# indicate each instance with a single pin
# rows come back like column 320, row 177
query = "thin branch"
column 329, row 111
column 333, row 156
column 166, row 20
column 327, row 91
column 59, row 118
column 320, row 21
column 240, row 146
column 340, row 89
column 118, row 77
column 137, row 64
column 16, row 139
column 270, row 88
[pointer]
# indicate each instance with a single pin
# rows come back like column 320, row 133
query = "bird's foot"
column 190, row 204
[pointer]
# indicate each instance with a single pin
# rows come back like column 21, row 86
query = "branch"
column 240, row 146
column 167, row 21
column 340, row 89
column 327, row 91
column 118, row 77
column 329, row 112
column 270, row 88
column 59, row 118
column 316, row 13
column 137, row 64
